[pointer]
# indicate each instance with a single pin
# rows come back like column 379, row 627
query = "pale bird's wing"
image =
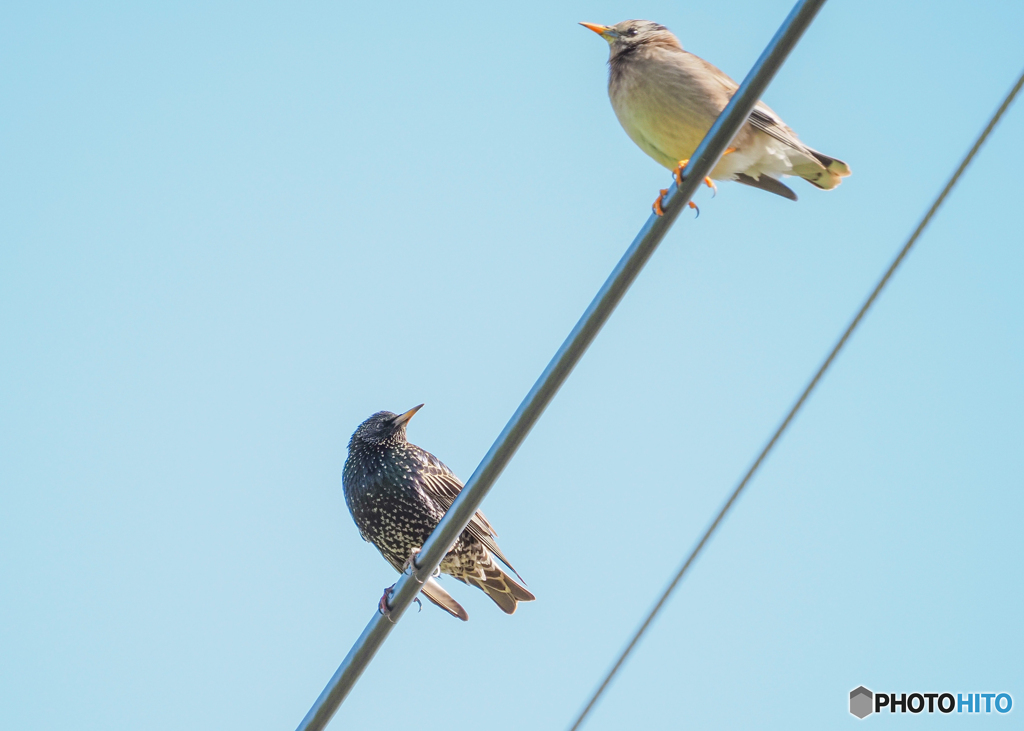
column 767, row 183
column 767, row 121
column 762, row 118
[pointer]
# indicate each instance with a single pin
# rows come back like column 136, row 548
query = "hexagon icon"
column 861, row 702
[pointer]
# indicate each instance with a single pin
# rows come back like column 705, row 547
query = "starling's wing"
column 436, row 593
column 443, row 486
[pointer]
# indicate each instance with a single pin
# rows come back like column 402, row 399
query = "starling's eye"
column 632, row 32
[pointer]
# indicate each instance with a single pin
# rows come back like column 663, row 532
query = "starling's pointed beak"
column 403, row 419
column 601, row 30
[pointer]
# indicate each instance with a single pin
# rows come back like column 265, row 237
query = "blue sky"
column 231, row 231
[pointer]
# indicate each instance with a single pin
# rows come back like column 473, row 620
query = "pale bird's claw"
column 657, row 203
column 661, row 212
column 418, row 603
column 678, row 173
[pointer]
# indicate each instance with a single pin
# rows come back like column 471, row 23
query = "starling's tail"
column 436, row 593
column 499, row 586
column 823, row 171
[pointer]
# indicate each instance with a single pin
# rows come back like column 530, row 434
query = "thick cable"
column 704, row 158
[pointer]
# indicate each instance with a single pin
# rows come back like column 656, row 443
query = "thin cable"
column 799, row 402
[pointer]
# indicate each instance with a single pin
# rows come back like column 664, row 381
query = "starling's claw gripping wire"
column 410, row 566
column 382, row 606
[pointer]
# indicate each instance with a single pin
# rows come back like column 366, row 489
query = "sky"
column 232, row 231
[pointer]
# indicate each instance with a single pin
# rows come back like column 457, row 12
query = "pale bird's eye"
column 631, row 32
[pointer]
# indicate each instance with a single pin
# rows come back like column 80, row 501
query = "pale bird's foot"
column 657, row 203
column 661, row 197
column 707, row 181
column 714, row 189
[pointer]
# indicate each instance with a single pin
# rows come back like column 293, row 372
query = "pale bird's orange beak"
column 599, row 29
column 404, row 418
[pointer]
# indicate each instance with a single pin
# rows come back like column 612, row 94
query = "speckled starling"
column 398, row 493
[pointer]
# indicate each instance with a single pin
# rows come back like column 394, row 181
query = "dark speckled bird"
column 398, row 493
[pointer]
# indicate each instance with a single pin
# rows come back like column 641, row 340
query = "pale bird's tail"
column 822, row 171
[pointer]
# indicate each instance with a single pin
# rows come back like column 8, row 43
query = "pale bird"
column 667, row 99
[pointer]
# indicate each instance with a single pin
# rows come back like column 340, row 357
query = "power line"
column 608, row 297
column 799, row 402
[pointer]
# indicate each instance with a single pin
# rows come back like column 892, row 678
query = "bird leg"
column 661, row 197
column 678, row 174
column 657, row 202
column 385, row 608
column 707, row 181
column 411, row 563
